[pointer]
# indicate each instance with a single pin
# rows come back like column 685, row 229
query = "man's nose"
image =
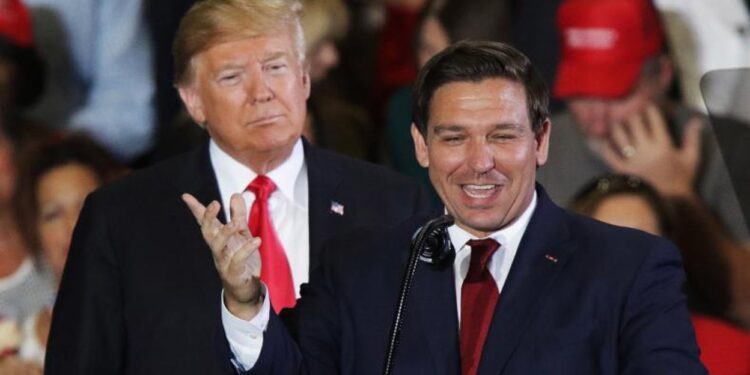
column 480, row 157
column 258, row 89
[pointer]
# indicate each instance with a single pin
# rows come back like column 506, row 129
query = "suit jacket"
column 140, row 294
column 582, row 297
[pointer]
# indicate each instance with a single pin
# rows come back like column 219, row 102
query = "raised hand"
column 642, row 146
column 235, row 253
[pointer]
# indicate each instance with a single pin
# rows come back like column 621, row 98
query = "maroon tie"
column 479, row 296
column 275, row 271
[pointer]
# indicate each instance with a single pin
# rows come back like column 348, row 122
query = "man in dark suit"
column 140, row 293
column 533, row 289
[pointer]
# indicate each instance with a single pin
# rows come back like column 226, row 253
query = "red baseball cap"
column 15, row 23
column 604, row 45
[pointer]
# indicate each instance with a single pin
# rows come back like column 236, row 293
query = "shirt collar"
column 234, row 176
column 508, row 237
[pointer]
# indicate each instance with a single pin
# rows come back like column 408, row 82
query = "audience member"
column 628, row 201
column 54, row 177
column 614, row 76
column 533, row 32
column 100, row 75
column 25, row 286
column 333, row 122
column 21, row 69
column 394, row 55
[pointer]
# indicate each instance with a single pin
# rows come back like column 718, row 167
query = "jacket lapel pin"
column 337, row 208
column 550, row 258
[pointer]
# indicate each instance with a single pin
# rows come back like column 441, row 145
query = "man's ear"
column 306, row 82
column 420, row 147
column 542, row 143
column 193, row 103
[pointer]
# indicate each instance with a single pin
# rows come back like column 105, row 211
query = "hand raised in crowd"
column 12, row 365
column 642, row 146
column 235, row 253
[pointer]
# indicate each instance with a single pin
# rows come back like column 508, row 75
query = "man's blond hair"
column 211, row 22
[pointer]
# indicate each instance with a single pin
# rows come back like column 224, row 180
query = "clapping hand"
column 642, row 146
column 235, row 253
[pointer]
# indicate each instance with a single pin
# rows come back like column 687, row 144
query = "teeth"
column 479, row 191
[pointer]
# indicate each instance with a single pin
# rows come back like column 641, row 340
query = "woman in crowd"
column 54, row 177
column 333, row 120
column 707, row 256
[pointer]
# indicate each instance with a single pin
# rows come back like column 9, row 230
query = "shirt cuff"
column 246, row 337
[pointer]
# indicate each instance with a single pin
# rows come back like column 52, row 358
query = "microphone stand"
column 431, row 245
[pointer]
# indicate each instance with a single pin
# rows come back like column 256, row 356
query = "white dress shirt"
column 287, row 204
column 288, row 207
column 249, row 335
column 509, row 239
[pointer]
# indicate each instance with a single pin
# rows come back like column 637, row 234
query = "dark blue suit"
column 582, row 297
column 141, row 295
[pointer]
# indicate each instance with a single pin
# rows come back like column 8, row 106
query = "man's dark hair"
column 474, row 61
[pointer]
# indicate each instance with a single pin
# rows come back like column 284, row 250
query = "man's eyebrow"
column 442, row 128
column 509, row 126
column 274, row 56
column 231, row 65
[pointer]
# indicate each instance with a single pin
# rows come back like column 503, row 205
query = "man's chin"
column 480, row 223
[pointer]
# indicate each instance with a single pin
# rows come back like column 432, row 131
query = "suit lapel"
column 540, row 258
column 434, row 302
column 195, row 176
column 324, row 179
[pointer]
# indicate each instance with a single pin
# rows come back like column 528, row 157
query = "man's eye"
column 504, row 136
column 229, row 79
column 276, row 67
column 453, row 138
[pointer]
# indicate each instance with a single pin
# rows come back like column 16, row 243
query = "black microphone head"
column 437, row 248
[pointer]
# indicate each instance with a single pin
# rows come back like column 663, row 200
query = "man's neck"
column 264, row 162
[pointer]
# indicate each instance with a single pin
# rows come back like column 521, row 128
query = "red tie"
column 275, row 271
column 479, row 296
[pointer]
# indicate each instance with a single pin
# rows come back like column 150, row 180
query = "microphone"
column 436, row 245
column 430, row 244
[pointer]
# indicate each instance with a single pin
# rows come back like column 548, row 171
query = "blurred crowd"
column 87, row 93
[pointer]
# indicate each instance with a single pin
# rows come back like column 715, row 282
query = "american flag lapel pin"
column 550, row 258
column 337, row 208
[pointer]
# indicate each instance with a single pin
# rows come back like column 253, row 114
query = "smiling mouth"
column 479, row 191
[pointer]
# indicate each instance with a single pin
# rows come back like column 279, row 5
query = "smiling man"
column 532, row 289
column 140, row 293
